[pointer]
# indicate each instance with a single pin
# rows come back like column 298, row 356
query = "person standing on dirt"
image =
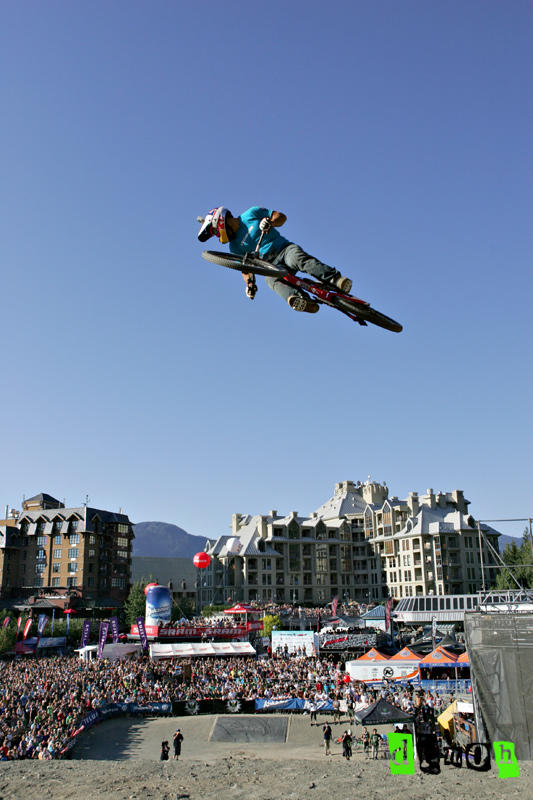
column 326, row 734
column 243, row 234
column 178, row 738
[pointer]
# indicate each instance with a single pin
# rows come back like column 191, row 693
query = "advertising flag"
column 142, row 633
column 388, row 608
column 27, row 627
column 6, row 622
column 114, row 628
column 85, row 632
column 41, row 625
column 334, row 605
column 104, row 628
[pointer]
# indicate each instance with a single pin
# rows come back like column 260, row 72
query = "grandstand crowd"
column 44, row 700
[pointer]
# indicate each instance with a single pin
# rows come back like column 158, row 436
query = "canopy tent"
column 372, row 655
column 464, row 659
column 406, row 655
column 192, row 649
column 382, row 713
column 440, row 657
column 241, row 608
column 111, row 651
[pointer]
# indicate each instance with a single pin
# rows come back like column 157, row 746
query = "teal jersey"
column 249, row 233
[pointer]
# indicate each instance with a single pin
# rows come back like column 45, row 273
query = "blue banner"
column 104, row 628
column 292, row 704
column 85, row 632
column 142, row 633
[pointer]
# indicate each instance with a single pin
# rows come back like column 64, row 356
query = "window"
column 41, row 554
column 58, row 539
column 121, row 542
column 267, row 579
column 72, row 582
column 56, row 567
column 118, row 583
column 41, row 540
column 74, row 538
column 267, row 563
column 73, row 552
column 74, row 524
column 39, row 568
column 55, row 582
column 73, row 567
column 92, row 553
column 90, row 581
column 124, row 554
column 92, row 539
column 121, row 528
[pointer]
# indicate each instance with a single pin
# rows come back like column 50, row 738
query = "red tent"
column 241, row 608
column 372, row 655
column 406, row 655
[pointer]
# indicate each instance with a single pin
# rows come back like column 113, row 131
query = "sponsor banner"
column 102, row 636
column 142, row 633
column 347, row 641
column 26, row 630
column 19, row 623
column 292, row 704
column 334, row 605
column 6, row 622
column 41, row 625
column 190, row 708
column 113, row 621
column 178, row 632
column 85, row 632
column 295, row 640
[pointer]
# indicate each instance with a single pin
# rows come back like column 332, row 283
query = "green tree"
column 7, row 635
column 135, row 603
column 517, row 557
column 270, row 621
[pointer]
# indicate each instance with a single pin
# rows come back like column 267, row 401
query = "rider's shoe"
column 343, row 284
column 299, row 302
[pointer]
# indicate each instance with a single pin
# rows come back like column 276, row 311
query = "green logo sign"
column 401, row 754
column 506, row 760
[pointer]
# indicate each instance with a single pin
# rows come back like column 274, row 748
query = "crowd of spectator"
column 44, row 700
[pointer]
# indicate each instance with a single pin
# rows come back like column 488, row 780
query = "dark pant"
column 295, row 259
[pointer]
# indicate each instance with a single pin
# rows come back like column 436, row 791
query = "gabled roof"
column 375, row 613
column 382, row 713
column 440, row 657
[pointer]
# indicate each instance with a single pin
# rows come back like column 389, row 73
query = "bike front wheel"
column 247, row 263
column 369, row 314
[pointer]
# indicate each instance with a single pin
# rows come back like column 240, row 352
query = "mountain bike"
column 353, row 307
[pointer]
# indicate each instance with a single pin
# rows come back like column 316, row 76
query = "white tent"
column 111, row 651
column 191, row 649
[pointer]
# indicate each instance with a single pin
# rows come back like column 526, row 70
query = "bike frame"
column 325, row 295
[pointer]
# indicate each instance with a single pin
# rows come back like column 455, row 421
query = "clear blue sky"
column 396, row 136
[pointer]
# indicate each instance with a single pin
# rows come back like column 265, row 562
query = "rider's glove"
column 265, row 224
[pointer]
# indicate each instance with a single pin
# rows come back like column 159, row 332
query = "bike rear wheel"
column 369, row 314
column 248, row 263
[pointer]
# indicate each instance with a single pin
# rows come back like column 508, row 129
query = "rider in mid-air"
column 243, row 234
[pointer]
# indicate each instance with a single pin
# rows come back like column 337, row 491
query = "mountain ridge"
column 165, row 540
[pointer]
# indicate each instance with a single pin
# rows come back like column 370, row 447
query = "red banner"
column 27, row 627
column 198, row 632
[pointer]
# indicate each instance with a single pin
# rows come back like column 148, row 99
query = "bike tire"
column 253, row 264
column 369, row 314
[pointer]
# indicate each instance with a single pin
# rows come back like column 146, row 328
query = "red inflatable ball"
column 201, row 560
column 149, row 586
column 346, row 679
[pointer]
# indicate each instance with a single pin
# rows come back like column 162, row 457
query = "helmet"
column 214, row 224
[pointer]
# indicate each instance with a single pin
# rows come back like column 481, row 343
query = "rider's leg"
column 298, row 300
column 295, row 258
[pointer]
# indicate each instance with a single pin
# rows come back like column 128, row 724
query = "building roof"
column 347, row 500
column 85, row 513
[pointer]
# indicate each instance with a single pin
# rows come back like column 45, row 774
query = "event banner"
column 6, row 622
column 142, row 633
column 85, row 632
column 292, row 704
column 41, row 625
column 347, row 641
column 27, row 627
column 197, row 632
column 104, row 628
column 114, row 628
